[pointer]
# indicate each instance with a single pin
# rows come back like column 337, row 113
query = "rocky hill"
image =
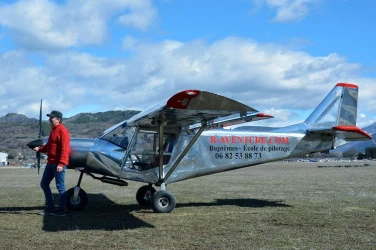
column 16, row 130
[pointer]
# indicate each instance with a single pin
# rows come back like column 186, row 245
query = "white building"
column 3, row 158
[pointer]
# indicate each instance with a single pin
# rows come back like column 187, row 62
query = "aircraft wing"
column 191, row 108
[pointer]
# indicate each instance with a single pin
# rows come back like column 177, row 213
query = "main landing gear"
column 160, row 201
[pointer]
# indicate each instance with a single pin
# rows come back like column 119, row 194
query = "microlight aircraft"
column 183, row 137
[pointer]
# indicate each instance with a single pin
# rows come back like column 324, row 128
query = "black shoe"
column 58, row 213
column 46, row 212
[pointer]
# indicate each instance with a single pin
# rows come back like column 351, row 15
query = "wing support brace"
column 163, row 178
column 233, row 120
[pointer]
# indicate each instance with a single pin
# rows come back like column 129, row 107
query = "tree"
column 370, row 153
column 361, row 156
column 350, row 153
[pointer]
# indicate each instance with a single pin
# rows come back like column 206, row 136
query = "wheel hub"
column 163, row 202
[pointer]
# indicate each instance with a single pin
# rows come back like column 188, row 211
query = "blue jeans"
column 49, row 173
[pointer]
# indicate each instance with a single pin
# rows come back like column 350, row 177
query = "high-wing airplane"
column 183, row 137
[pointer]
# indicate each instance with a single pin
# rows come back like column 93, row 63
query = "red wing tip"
column 352, row 129
column 347, row 85
column 181, row 100
column 191, row 92
column 264, row 115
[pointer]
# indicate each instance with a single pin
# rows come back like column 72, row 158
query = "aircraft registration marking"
column 247, row 147
column 249, row 139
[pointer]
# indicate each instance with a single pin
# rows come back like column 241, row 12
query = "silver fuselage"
column 214, row 151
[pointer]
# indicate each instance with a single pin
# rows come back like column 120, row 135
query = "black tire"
column 81, row 201
column 163, row 202
column 144, row 195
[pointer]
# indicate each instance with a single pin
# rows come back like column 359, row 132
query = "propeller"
column 38, row 142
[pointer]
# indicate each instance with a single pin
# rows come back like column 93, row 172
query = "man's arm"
column 42, row 149
column 65, row 148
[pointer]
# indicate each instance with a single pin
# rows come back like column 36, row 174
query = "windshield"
column 120, row 136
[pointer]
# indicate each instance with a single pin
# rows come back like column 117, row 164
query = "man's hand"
column 60, row 168
column 36, row 149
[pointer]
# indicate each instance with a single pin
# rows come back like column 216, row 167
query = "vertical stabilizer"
column 336, row 116
column 339, row 108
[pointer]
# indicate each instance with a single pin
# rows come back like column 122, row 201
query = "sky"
column 281, row 57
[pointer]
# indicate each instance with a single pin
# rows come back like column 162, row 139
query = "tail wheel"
column 144, row 195
column 76, row 203
column 163, row 202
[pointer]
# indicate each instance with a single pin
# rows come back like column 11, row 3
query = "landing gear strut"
column 77, row 198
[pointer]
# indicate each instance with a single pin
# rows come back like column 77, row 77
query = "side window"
column 120, row 136
column 143, row 149
column 145, row 152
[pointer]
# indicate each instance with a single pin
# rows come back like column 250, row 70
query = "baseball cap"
column 55, row 113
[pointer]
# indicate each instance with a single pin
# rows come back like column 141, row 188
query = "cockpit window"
column 144, row 154
column 120, row 136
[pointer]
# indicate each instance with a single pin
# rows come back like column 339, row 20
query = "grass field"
column 270, row 206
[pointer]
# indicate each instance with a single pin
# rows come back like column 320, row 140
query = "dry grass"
column 271, row 206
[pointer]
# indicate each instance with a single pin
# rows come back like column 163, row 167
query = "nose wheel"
column 77, row 199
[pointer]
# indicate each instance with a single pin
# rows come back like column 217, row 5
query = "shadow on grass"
column 104, row 214
column 100, row 214
column 236, row 202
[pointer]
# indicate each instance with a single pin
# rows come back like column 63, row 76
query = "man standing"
column 57, row 150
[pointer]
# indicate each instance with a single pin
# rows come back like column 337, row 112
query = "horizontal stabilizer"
column 348, row 133
column 352, row 133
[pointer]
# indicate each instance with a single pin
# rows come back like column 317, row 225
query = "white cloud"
column 141, row 14
column 271, row 78
column 43, row 24
column 264, row 76
column 287, row 10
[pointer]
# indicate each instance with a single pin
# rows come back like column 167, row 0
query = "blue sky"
column 278, row 56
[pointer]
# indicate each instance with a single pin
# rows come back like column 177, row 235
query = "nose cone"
column 35, row 143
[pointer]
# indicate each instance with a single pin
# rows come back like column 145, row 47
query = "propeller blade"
column 39, row 135
column 40, row 120
column 35, row 143
column 38, row 142
column 38, row 161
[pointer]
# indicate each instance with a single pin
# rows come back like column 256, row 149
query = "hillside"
column 17, row 130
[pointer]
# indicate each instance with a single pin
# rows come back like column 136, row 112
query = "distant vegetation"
column 17, row 130
column 370, row 153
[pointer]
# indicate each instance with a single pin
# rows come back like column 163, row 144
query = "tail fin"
column 337, row 115
column 338, row 108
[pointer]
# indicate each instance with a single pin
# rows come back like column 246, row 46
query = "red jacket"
column 57, row 147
